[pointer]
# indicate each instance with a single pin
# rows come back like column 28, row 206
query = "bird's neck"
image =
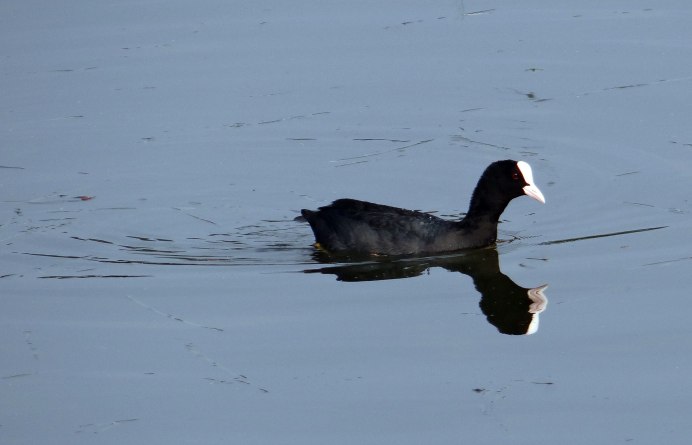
column 486, row 205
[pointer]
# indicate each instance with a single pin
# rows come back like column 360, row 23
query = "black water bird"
column 349, row 226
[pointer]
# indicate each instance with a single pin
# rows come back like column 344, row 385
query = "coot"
column 349, row 226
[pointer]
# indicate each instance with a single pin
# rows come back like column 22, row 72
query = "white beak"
column 533, row 191
column 530, row 188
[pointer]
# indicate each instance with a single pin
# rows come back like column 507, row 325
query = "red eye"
column 515, row 176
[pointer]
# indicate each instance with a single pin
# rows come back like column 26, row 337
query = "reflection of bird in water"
column 348, row 226
column 511, row 308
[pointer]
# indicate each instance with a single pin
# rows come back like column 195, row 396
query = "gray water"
column 153, row 158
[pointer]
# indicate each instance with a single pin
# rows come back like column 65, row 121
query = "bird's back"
column 360, row 227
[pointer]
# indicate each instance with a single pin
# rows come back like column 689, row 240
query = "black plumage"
column 349, row 226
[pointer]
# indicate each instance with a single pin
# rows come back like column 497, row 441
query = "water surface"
column 156, row 287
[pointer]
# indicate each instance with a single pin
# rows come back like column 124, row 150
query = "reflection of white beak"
column 533, row 191
column 538, row 299
column 530, row 188
column 538, row 305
